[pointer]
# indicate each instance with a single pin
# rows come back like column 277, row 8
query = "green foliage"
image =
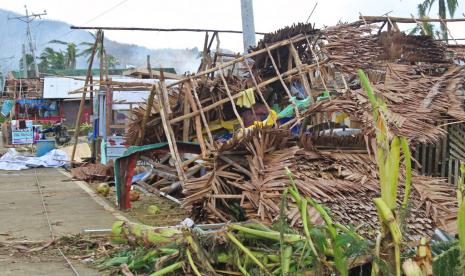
column 447, row 259
column 85, row 127
column 29, row 63
column 388, row 160
column 111, row 60
column 51, row 59
column 444, row 6
column 250, row 248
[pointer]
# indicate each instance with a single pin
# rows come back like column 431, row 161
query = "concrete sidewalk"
column 70, row 207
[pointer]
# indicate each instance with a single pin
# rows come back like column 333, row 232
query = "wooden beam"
column 198, row 124
column 231, row 99
column 159, row 29
column 83, row 98
column 303, row 77
column 202, row 114
column 296, row 109
column 170, row 138
column 371, row 19
column 254, row 80
column 235, row 96
column 148, row 109
column 294, row 39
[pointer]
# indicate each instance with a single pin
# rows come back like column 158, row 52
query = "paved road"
column 71, row 210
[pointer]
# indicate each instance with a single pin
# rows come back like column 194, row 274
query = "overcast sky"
column 213, row 14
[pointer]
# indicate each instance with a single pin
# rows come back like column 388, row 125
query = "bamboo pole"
column 297, row 113
column 108, row 110
column 164, row 91
column 317, row 64
column 294, row 39
column 148, row 109
column 235, row 96
column 254, row 80
column 231, row 99
column 202, row 114
column 187, row 122
column 198, row 124
column 83, row 97
column 159, row 29
column 448, row 31
column 298, row 64
column 170, row 138
column 149, row 67
column 408, row 20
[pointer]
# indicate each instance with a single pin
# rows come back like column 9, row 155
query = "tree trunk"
column 443, row 15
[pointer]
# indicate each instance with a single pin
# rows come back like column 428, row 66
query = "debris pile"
column 294, row 102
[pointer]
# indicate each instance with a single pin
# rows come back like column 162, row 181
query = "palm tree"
column 70, row 53
column 51, row 59
column 444, row 6
column 112, row 61
column 29, row 63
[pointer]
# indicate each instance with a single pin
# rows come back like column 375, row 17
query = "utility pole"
column 248, row 26
column 25, row 74
column 28, row 18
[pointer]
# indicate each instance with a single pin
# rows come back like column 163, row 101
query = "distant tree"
column 87, row 52
column 29, row 63
column 70, row 54
column 51, row 59
column 112, row 61
column 444, row 6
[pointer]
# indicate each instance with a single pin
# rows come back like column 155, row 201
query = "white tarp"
column 13, row 161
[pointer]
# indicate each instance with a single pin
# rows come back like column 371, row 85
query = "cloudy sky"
column 212, row 14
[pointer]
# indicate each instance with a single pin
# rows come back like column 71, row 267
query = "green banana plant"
column 389, row 147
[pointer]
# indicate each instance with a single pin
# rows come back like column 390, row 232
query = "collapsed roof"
column 295, row 81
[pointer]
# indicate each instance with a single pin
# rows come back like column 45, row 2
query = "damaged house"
column 221, row 140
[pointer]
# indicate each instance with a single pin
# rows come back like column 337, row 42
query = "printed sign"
column 22, row 132
column 20, row 137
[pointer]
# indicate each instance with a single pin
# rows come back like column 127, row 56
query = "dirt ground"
column 170, row 213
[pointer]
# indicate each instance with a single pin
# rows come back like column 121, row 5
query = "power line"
column 92, row 19
column 105, row 12
column 159, row 29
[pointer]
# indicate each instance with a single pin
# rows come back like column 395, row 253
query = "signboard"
column 20, row 137
column 115, row 147
column 22, row 132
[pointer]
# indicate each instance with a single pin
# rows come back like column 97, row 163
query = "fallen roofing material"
column 310, row 76
column 345, row 182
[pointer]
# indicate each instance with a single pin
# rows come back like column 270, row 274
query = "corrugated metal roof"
column 58, row 88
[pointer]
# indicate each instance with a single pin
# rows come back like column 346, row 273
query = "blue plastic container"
column 44, row 146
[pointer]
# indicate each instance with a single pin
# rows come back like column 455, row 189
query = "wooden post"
column 198, row 124
column 187, row 122
column 235, row 96
column 317, row 64
column 298, row 64
column 108, row 109
column 254, row 80
column 148, row 109
column 164, row 90
column 149, row 67
column 231, row 99
column 202, row 114
column 297, row 113
column 444, row 154
column 170, row 138
column 83, row 97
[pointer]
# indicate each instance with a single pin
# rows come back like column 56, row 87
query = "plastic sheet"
column 14, row 161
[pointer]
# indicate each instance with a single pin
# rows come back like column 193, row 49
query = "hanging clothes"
column 247, row 98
